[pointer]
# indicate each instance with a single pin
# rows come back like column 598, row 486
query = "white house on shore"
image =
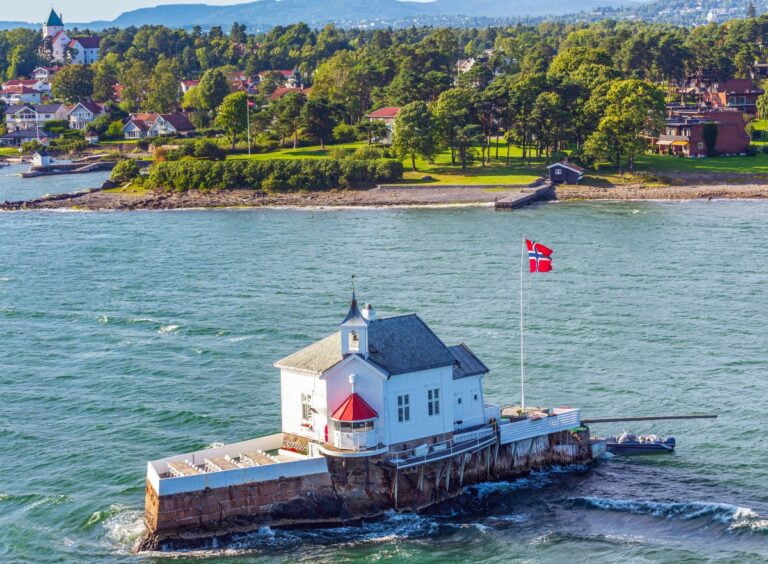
column 378, row 383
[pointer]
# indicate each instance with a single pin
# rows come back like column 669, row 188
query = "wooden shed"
column 565, row 172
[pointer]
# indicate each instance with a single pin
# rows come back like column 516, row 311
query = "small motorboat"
column 627, row 443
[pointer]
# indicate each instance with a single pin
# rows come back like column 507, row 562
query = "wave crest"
column 733, row 516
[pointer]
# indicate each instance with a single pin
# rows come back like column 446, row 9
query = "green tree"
column 317, row 119
column 212, row 90
column 415, row 132
column 634, row 108
column 464, row 138
column 231, row 115
column 124, row 171
column 163, row 91
column 73, row 83
column 114, row 130
column 453, row 110
column 105, row 73
column 134, row 78
column 371, row 129
column 288, row 115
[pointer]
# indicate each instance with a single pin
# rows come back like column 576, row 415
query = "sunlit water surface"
column 131, row 336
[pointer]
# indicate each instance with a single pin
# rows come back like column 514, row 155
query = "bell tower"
column 354, row 331
column 53, row 26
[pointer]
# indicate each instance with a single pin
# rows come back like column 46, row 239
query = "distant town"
column 492, row 106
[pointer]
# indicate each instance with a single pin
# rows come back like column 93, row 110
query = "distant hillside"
column 267, row 13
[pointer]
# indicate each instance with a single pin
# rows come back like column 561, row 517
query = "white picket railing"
column 562, row 420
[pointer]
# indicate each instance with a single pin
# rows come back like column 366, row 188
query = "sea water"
column 127, row 337
column 14, row 188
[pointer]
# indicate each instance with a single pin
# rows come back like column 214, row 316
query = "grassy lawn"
column 441, row 170
column 127, row 189
column 9, row 152
column 118, row 142
column 723, row 165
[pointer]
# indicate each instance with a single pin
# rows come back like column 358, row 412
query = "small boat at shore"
column 626, row 443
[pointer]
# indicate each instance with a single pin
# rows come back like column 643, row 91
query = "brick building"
column 684, row 133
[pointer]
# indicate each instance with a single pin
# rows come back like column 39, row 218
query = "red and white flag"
column 539, row 256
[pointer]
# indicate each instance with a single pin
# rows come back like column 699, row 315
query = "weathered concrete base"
column 353, row 490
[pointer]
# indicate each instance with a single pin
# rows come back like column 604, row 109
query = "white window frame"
column 433, row 402
column 306, row 407
column 403, row 408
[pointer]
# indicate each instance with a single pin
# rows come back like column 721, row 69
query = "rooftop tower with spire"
column 54, row 25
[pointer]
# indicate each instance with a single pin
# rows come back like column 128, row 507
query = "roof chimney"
column 369, row 313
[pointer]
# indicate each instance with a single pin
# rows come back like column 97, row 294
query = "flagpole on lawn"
column 248, row 120
column 522, row 338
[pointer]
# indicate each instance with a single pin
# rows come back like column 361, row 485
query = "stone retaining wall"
column 352, row 490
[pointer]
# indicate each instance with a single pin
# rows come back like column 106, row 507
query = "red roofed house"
column 140, row 126
column 281, row 91
column 41, row 86
column 737, row 93
column 387, row 116
column 187, row 85
column 17, row 94
column 684, row 133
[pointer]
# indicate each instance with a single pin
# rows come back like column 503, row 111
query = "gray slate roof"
column 467, row 364
column 396, row 344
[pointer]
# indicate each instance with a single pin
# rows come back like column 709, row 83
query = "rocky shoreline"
column 100, row 200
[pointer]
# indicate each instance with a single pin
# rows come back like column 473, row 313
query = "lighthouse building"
column 379, row 383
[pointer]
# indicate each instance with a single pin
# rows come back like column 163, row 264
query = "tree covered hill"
column 263, row 14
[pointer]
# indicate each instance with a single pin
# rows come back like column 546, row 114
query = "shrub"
column 344, row 133
column 114, row 130
column 206, row 149
column 31, row 146
column 124, row 171
column 751, row 151
column 369, row 152
column 56, row 125
column 69, row 145
column 289, row 175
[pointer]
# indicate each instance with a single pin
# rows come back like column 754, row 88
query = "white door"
column 460, row 410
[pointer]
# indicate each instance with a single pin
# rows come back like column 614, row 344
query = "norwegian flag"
column 539, row 256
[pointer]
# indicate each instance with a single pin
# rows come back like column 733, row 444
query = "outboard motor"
column 670, row 442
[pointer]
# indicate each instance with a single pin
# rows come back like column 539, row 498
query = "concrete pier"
column 540, row 193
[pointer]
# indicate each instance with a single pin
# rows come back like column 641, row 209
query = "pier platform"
column 540, row 193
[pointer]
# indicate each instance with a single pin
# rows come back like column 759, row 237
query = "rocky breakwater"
column 335, row 490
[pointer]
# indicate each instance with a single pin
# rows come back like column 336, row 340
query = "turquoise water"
column 14, row 188
column 131, row 336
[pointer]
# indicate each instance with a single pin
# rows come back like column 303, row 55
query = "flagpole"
column 248, row 120
column 522, row 338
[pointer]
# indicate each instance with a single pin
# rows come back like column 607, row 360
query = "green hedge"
column 280, row 175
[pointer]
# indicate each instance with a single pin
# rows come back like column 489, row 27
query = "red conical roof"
column 354, row 408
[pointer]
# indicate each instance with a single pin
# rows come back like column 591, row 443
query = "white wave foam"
column 215, row 444
column 167, row 329
column 104, row 319
column 734, row 516
column 124, row 526
column 516, row 518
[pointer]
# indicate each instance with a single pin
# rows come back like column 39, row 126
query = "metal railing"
column 464, row 443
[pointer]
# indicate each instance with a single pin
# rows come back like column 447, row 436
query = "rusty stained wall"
column 354, row 488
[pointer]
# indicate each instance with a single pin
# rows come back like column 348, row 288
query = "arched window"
column 354, row 341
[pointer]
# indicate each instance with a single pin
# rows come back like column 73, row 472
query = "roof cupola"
column 354, row 331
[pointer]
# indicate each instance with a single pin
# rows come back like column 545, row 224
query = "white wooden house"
column 83, row 113
column 379, row 383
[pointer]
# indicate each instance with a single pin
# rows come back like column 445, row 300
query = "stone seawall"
column 352, row 490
